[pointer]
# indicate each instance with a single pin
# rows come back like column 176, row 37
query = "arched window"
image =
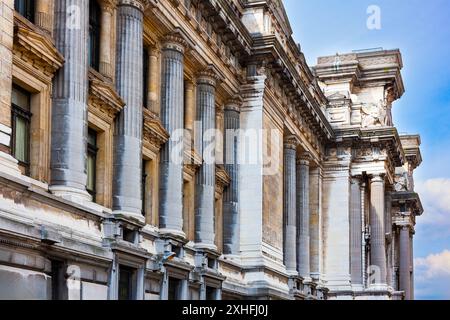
column 94, row 34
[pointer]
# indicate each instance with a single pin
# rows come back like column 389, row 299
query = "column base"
column 172, row 233
column 205, row 246
column 378, row 287
column 129, row 216
column 71, row 194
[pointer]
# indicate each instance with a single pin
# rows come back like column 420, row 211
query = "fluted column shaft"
column 356, row 233
column 377, row 226
column 205, row 179
column 405, row 258
column 303, row 238
column 172, row 117
column 315, row 186
column 290, row 206
column 231, row 195
column 128, row 125
column 70, row 91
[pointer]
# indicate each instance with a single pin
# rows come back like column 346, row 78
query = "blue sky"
column 420, row 29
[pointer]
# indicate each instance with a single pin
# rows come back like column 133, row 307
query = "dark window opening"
column 59, row 288
column 94, row 34
column 174, row 289
column 26, row 8
column 211, row 263
column 21, row 121
column 125, row 283
column 129, row 235
column 211, row 293
column 145, row 66
column 177, row 251
column 144, row 187
column 92, row 163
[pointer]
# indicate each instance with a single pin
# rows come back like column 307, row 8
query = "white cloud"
column 435, row 196
column 432, row 276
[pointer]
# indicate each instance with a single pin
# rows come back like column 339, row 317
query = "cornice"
column 103, row 96
column 32, row 44
column 153, row 130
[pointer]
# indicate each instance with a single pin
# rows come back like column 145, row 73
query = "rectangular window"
column 174, row 289
column 144, row 188
column 94, row 34
column 125, row 283
column 145, row 66
column 21, row 120
column 211, row 294
column 25, row 8
column 92, row 151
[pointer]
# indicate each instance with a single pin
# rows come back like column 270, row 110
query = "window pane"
column 90, row 173
column 25, row 8
column 21, row 139
column 20, row 99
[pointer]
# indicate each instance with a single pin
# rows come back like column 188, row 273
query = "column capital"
column 209, row 75
column 175, row 41
column 304, row 159
column 357, row 180
column 108, row 5
column 139, row 4
column 233, row 104
column 291, row 142
column 378, row 177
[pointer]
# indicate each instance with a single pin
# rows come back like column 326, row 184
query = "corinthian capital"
column 175, row 41
column 210, row 75
column 291, row 142
column 140, row 4
column 304, row 159
column 108, row 5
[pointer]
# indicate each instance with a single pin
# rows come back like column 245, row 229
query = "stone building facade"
column 106, row 191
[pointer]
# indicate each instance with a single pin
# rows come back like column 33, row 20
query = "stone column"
column 128, row 124
column 405, row 258
column 43, row 15
column 154, row 80
column 231, row 214
column 377, row 226
column 411, row 257
column 356, row 233
column 290, row 205
column 172, row 114
column 303, row 256
column 106, row 64
column 69, row 110
column 205, row 180
column 315, row 227
column 363, row 190
column 388, row 230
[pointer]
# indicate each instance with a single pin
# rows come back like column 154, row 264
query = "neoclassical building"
column 113, row 187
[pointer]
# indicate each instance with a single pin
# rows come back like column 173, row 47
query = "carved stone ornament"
column 374, row 114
